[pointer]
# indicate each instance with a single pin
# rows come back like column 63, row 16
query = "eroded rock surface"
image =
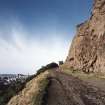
column 87, row 51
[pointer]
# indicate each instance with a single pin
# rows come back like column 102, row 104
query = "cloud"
column 18, row 54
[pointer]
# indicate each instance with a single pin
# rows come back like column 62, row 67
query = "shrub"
column 47, row 67
column 61, row 63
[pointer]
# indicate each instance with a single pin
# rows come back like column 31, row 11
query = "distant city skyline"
column 34, row 33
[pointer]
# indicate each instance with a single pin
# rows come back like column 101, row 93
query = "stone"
column 87, row 51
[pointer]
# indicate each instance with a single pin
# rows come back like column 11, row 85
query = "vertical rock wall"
column 87, row 51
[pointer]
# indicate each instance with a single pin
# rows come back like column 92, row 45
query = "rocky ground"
column 68, row 90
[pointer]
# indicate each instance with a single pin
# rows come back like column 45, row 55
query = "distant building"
column 6, row 79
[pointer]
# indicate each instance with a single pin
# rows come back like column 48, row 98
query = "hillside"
column 58, row 88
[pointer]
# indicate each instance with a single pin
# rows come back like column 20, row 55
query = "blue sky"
column 36, row 32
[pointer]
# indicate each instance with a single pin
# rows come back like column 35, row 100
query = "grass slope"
column 33, row 93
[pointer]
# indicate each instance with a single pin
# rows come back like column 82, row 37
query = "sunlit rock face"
column 87, row 51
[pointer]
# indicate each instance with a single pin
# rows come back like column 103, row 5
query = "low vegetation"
column 6, row 92
column 10, row 90
column 33, row 93
column 81, row 74
column 49, row 66
column 61, row 62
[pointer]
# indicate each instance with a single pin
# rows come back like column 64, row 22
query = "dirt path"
column 67, row 90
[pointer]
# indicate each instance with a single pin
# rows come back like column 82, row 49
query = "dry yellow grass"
column 32, row 94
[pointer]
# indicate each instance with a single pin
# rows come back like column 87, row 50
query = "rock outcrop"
column 87, row 51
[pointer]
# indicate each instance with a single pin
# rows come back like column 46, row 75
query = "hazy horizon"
column 34, row 33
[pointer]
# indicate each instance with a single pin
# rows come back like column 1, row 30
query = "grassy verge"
column 39, row 95
column 82, row 75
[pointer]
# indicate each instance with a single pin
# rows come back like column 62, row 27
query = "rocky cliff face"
column 87, row 51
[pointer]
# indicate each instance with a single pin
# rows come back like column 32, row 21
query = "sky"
column 34, row 33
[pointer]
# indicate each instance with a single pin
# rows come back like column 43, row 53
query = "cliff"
column 87, row 51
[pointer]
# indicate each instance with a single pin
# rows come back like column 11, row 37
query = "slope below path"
column 67, row 90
